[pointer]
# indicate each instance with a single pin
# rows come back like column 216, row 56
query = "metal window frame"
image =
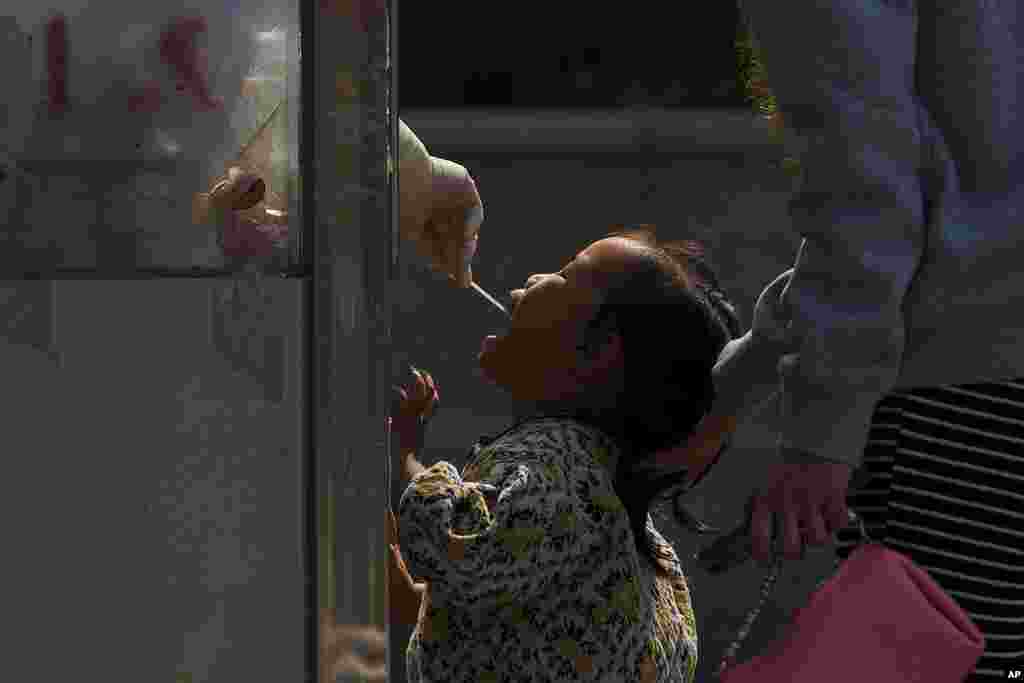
column 349, row 214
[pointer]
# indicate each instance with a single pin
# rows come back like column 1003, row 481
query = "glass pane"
column 122, row 120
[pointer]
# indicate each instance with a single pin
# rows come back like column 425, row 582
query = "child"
column 541, row 559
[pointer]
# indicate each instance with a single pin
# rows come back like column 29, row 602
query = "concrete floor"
column 543, row 204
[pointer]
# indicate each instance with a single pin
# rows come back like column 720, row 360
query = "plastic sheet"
column 120, row 115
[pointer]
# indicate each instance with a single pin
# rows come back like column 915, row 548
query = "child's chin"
column 489, row 371
column 485, row 356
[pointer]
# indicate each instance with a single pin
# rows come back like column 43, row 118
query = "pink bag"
column 879, row 619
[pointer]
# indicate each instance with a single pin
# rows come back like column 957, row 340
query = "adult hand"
column 452, row 227
column 747, row 372
column 440, row 208
column 772, row 321
column 805, row 501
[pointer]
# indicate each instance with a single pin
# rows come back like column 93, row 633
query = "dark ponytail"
column 674, row 320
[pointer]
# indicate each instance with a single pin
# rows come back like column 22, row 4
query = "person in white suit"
column 906, row 293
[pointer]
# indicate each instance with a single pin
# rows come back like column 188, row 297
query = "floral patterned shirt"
column 545, row 584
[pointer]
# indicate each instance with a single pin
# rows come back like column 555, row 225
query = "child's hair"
column 674, row 320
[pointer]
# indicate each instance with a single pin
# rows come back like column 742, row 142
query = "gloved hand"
column 772, row 321
column 440, row 208
column 747, row 371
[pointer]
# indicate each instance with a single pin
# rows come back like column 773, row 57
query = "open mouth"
column 492, row 339
column 489, row 343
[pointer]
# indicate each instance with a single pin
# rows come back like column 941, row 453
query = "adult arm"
column 846, row 87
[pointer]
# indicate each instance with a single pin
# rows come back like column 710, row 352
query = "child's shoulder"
column 548, row 441
column 564, row 438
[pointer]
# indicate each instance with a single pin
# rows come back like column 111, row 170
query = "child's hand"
column 771, row 313
column 412, row 411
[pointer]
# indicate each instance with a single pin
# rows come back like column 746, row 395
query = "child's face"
column 537, row 360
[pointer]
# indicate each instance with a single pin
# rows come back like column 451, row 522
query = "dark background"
column 561, row 55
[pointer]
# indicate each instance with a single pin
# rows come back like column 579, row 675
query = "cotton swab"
column 490, row 298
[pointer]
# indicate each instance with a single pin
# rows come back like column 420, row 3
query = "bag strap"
column 729, row 657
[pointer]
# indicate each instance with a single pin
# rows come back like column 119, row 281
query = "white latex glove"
column 747, row 372
column 440, row 208
column 772, row 319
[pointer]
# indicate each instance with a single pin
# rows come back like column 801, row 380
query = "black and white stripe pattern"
column 948, row 492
